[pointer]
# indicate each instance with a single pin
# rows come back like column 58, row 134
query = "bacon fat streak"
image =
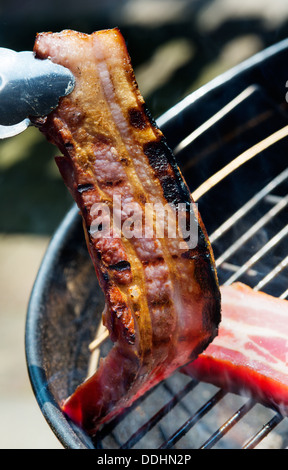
column 162, row 301
column 250, row 354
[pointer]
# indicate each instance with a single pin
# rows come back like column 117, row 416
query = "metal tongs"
column 29, row 87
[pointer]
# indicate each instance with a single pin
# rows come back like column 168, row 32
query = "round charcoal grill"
column 230, row 139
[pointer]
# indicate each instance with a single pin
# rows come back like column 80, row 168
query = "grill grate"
column 245, row 408
column 280, row 204
column 250, row 245
column 264, row 198
column 269, row 217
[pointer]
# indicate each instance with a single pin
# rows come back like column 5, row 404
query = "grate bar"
column 235, row 267
column 228, row 425
column 272, row 198
column 265, row 249
column 193, row 420
column 243, row 158
column 264, row 431
column 284, row 295
column 282, row 265
column 253, row 230
column 159, row 415
column 214, row 119
column 249, row 205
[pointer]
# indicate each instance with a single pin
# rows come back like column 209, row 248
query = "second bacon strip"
column 162, row 295
column 250, row 354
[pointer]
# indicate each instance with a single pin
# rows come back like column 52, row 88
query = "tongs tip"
column 29, row 87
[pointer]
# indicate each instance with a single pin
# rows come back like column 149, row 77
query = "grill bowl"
column 207, row 130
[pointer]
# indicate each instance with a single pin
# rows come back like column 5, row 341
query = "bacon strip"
column 250, row 354
column 162, row 295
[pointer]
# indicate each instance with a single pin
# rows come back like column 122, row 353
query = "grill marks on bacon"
column 250, row 354
column 162, row 308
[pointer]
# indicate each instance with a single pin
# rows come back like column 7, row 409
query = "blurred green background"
column 175, row 46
